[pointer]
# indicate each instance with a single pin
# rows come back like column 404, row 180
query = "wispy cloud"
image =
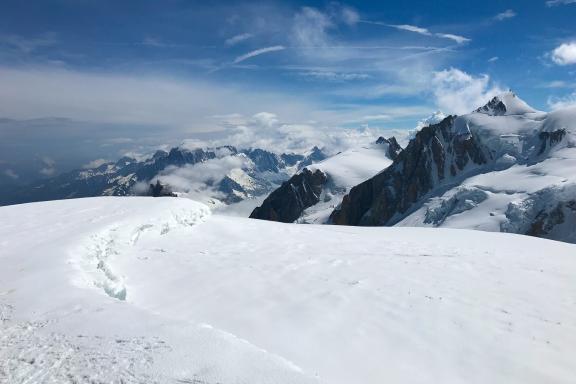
column 28, row 45
column 11, row 174
column 420, row 30
column 258, row 52
column 411, row 28
column 554, row 3
column 151, row 41
column 49, row 166
column 95, row 163
column 493, row 59
column 568, row 101
column 380, row 117
column 507, row 14
column 456, row 38
column 238, row 39
column 334, row 76
column 309, row 28
column 558, row 84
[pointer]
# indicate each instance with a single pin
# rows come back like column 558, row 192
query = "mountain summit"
column 506, row 104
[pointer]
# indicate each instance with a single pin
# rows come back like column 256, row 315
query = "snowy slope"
column 355, row 165
column 506, row 104
column 344, row 171
column 159, row 290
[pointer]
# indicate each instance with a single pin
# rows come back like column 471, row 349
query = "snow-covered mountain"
column 311, row 195
column 159, row 290
column 221, row 175
column 505, row 167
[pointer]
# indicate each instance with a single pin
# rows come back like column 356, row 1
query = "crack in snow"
column 98, row 253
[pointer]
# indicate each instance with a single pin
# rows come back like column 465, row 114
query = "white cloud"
column 199, row 178
column 177, row 104
column 95, row 163
column 422, row 31
column 258, row 52
column 265, row 130
column 493, row 59
column 565, row 54
column 553, row 3
column 458, row 92
column 562, row 102
column 238, row 39
column 11, row 174
column 507, row 14
column 456, row 38
column 334, row 76
column 412, row 28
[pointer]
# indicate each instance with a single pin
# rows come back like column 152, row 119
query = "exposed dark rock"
column 160, row 190
column 418, row 168
column 394, row 148
column 287, row 203
column 549, row 139
column 546, row 221
column 494, row 107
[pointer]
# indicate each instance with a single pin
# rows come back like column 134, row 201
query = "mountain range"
column 221, row 175
column 504, row 167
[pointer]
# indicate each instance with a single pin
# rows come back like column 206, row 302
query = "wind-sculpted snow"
column 95, row 257
column 214, row 299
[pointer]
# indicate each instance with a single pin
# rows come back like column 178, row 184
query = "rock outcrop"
column 287, row 203
column 393, row 149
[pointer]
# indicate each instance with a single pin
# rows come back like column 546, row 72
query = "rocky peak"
column 393, row 148
column 505, row 104
column 287, row 203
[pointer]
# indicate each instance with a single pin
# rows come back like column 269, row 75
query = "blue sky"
column 103, row 77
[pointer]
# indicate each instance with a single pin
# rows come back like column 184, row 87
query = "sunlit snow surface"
column 143, row 290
